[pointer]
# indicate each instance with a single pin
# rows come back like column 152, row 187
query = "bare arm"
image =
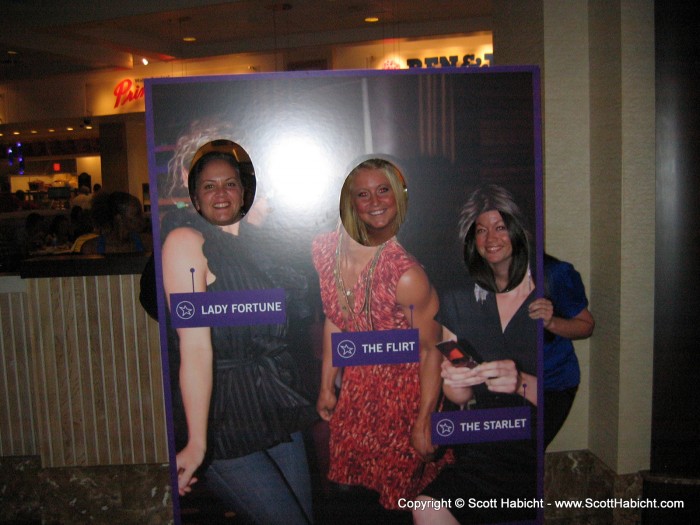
column 182, row 252
column 579, row 327
column 326, row 396
column 419, row 302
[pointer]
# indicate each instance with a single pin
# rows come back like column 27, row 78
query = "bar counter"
column 80, row 365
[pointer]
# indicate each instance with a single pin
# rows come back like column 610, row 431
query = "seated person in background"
column 59, row 231
column 83, row 198
column 119, row 221
column 34, row 233
column 80, row 222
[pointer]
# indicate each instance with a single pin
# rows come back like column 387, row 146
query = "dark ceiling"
column 40, row 38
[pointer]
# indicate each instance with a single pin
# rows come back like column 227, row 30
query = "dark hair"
column 489, row 198
column 221, row 149
column 202, row 163
column 106, row 206
column 33, row 220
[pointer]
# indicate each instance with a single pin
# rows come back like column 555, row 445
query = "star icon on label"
column 346, row 349
column 445, row 427
column 185, row 310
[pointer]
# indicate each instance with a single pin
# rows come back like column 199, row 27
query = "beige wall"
column 92, row 166
column 597, row 62
column 638, row 233
column 567, row 168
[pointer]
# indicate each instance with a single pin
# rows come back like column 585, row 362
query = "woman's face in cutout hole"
column 375, row 203
column 219, row 193
column 493, row 239
column 376, row 195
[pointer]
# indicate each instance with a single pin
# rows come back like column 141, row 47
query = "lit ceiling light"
column 69, row 128
column 144, row 61
column 12, row 52
column 33, row 132
column 88, row 126
column 189, row 39
column 15, row 132
column 51, row 130
column 372, row 19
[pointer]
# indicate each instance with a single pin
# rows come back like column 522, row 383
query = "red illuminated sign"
column 124, row 93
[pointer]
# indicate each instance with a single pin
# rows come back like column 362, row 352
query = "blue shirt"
column 563, row 286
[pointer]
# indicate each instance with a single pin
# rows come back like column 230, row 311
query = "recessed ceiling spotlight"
column 15, row 132
column 12, row 52
column 372, row 19
column 189, row 39
column 144, row 61
column 69, row 128
column 33, row 132
column 51, row 130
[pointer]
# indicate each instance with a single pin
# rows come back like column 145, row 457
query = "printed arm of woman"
column 185, row 266
column 419, row 302
column 326, row 396
column 578, row 327
column 500, row 376
column 458, row 380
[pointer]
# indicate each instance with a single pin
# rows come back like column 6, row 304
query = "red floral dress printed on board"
column 371, row 425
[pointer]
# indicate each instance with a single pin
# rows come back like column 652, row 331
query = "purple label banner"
column 477, row 426
column 379, row 347
column 243, row 307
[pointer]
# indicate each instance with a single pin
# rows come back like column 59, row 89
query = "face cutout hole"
column 373, row 202
column 221, row 182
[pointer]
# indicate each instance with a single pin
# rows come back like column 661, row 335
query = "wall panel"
column 18, row 435
column 97, row 362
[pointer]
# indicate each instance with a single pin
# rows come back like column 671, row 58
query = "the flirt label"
column 380, row 347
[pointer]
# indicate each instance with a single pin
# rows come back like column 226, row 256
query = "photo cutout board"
column 309, row 229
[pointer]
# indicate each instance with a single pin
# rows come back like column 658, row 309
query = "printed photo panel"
column 256, row 294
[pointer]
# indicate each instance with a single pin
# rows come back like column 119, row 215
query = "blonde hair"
column 348, row 215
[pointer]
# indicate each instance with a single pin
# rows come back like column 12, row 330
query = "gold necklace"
column 345, row 295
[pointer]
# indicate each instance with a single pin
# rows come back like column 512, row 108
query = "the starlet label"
column 247, row 307
column 379, row 347
column 480, row 425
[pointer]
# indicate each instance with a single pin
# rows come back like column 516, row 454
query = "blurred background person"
column 120, row 225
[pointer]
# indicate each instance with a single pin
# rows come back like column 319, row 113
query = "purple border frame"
column 539, row 215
